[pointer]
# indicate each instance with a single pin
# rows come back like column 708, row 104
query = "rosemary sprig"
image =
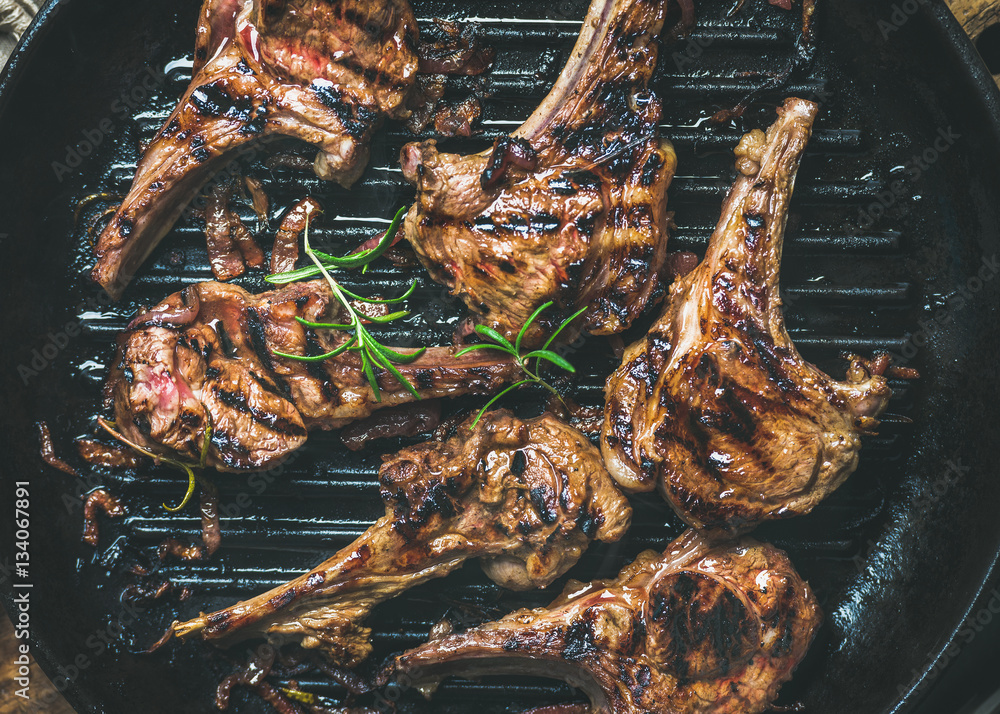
column 373, row 354
column 356, row 260
column 500, row 343
column 189, row 469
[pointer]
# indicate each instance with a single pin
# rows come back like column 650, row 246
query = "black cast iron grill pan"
column 896, row 572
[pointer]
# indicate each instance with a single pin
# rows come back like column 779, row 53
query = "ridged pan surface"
column 893, row 245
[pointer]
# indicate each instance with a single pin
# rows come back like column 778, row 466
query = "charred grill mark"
column 589, row 523
column 585, row 180
column 424, row 378
column 382, row 32
column 545, row 223
column 651, row 170
column 483, row 223
column 770, row 360
column 755, row 229
column 543, row 498
column 699, row 627
column 414, row 510
column 586, row 224
column 258, row 337
column 579, row 640
column 219, row 622
column 356, row 119
column 372, row 75
column 282, row 599
column 561, row 185
column 256, row 124
column 228, row 348
column 125, row 225
column 199, row 153
column 238, row 401
column 278, row 387
column 318, row 370
column 212, row 100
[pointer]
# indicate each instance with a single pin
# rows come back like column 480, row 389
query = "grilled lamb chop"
column 525, row 497
column 715, row 405
column 572, row 207
column 699, row 629
column 200, row 369
column 324, row 72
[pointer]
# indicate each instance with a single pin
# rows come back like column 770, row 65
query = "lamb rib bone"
column 701, row 629
column 525, row 497
column 715, row 405
column 572, row 207
column 265, row 69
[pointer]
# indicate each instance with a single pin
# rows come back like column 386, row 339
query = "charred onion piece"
column 258, row 198
column 507, row 152
column 460, row 51
column 97, row 453
column 99, row 500
column 408, row 420
column 180, row 550
column 211, row 531
column 700, row 629
column 805, row 51
column 457, row 120
column 716, row 406
column 286, row 243
column 525, row 497
column 48, row 451
column 223, row 233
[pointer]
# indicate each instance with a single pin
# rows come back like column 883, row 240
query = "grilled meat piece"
column 525, row 497
column 570, row 208
column 231, row 247
column 200, row 369
column 286, row 243
column 324, row 72
column 715, row 405
column 700, row 629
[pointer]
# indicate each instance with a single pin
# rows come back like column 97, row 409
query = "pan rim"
column 951, row 38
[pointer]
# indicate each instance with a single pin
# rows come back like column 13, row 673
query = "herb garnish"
column 373, row 354
column 189, row 469
column 502, row 344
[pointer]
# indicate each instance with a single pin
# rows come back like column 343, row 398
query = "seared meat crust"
column 324, row 72
column 200, row 368
column 572, row 207
column 716, row 406
column 700, row 629
column 526, row 497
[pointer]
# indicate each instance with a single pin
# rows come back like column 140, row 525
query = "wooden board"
column 975, row 16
